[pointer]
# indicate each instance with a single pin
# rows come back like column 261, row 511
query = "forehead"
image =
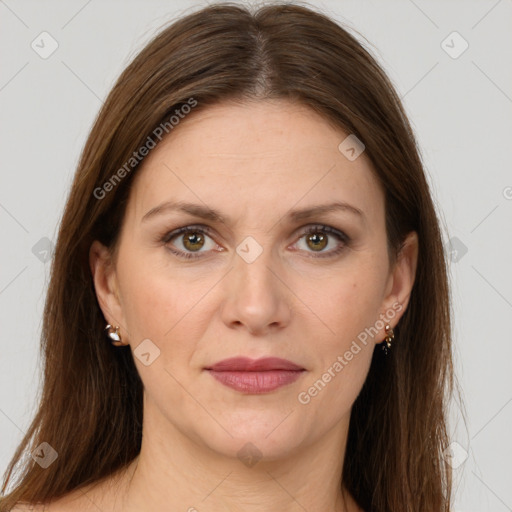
column 263, row 154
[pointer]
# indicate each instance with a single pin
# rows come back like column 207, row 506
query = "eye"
column 190, row 241
column 317, row 238
column 193, row 241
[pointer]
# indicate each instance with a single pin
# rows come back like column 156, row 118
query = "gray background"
column 460, row 108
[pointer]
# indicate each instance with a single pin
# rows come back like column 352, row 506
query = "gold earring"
column 113, row 334
column 390, row 336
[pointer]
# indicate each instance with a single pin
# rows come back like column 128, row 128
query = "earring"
column 113, row 334
column 390, row 336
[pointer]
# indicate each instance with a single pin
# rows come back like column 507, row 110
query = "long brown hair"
column 90, row 410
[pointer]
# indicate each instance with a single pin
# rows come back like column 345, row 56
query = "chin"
column 255, row 438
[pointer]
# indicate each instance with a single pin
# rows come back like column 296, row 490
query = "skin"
column 254, row 162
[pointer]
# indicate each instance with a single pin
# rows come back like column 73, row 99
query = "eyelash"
column 340, row 235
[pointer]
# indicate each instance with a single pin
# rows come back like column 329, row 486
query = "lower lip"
column 256, row 382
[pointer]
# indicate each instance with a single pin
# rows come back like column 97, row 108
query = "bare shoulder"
column 100, row 495
column 25, row 507
column 59, row 505
column 78, row 501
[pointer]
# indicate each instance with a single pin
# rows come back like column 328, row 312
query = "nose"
column 256, row 297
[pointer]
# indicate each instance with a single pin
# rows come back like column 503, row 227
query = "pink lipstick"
column 255, row 375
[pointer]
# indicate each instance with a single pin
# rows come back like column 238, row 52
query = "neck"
column 174, row 470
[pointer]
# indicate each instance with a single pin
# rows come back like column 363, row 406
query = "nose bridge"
column 253, row 262
column 256, row 298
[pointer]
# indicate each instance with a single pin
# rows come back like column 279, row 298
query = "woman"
column 249, row 306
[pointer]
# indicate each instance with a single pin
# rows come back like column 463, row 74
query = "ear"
column 401, row 280
column 106, row 286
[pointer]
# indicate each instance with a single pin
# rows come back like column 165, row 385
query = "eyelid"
column 189, row 227
column 312, row 228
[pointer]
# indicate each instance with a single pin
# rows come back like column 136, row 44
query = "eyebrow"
column 207, row 213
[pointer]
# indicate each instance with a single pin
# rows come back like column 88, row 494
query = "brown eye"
column 190, row 241
column 193, row 240
column 317, row 238
column 316, row 241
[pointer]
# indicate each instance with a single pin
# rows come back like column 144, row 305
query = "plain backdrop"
column 450, row 61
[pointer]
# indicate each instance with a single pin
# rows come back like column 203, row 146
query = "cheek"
column 348, row 304
column 151, row 299
column 161, row 303
column 344, row 358
column 349, row 308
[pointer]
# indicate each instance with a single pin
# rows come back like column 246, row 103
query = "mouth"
column 255, row 376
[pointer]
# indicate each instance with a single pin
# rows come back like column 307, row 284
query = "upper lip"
column 246, row 364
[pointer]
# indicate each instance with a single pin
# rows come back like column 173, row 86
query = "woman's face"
column 250, row 280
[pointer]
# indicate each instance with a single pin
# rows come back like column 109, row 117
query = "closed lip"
column 246, row 364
